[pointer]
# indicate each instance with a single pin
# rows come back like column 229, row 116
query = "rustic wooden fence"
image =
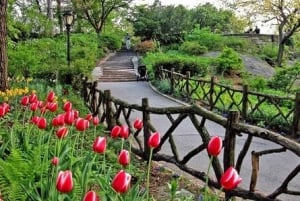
column 114, row 111
column 269, row 111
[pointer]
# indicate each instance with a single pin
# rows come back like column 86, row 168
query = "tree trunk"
column 3, row 46
column 59, row 16
column 280, row 53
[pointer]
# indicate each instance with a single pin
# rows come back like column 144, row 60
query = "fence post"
column 211, row 93
column 187, row 86
column 110, row 121
column 172, row 81
column 296, row 118
column 245, row 102
column 94, row 104
column 229, row 141
column 147, row 132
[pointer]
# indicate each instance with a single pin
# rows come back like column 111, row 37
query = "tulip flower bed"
column 50, row 150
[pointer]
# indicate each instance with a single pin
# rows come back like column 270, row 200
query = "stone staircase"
column 117, row 68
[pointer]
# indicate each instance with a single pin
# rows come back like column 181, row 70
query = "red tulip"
column 34, row 106
column 99, row 145
column 82, row 124
column 6, row 107
column 91, row 196
column 96, row 120
column 124, row 132
column 55, row 161
column 115, row 131
column 154, row 140
column 35, row 119
column 89, row 117
column 67, row 106
column 69, row 117
column 230, row 179
column 25, row 100
column 62, row 132
column 214, row 146
column 64, row 181
column 124, row 158
column 121, row 182
column 60, row 119
column 51, row 96
column 2, row 111
column 41, row 123
column 138, row 124
column 52, row 106
column 41, row 104
column 76, row 113
column 33, row 98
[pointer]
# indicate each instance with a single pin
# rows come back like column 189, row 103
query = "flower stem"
column 206, row 179
column 148, row 174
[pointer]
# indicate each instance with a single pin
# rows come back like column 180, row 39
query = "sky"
column 265, row 28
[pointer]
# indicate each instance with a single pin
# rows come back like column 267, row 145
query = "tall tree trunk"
column 59, row 16
column 280, row 53
column 3, row 46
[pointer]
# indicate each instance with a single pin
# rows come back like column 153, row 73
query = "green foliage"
column 229, row 61
column 181, row 63
column 257, row 83
column 110, row 41
column 284, row 79
column 238, row 44
column 206, row 38
column 269, row 53
column 192, row 48
column 46, row 58
column 145, row 46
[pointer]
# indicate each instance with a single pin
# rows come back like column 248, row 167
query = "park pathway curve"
column 272, row 170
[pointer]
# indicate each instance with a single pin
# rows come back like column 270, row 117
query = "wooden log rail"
column 270, row 111
column 114, row 111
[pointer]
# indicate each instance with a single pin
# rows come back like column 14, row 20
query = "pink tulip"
column 115, row 131
column 67, row 106
column 138, row 124
column 2, row 111
column 230, row 179
column 6, row 107
column 99, row 145
column 41, row 123
column 82, row 124
column 154, row 140
column 51, row 96
column 121, row 182
column 64, row 181
column 124, row 132
column 62, row 132
column 124, row 158
column 96, row 120
column 91, row 196
column 214, row 146
column 55, row 161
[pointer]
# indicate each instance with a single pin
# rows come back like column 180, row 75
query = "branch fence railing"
column 281, row 114
column 114, row 111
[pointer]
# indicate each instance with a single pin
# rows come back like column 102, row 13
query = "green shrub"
column 257, row 83
column 206, row 38
column 269, row 53
column 229, row 61
column 145, row 46
column 238, row 44
column 193, row 48
column 284, row 79
column 110, row 41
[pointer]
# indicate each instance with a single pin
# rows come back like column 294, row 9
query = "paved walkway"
column 272, row 170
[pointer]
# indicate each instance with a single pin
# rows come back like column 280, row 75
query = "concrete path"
column 273, row 168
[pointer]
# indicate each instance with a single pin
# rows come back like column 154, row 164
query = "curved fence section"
column 240, row 142
column 269, row 111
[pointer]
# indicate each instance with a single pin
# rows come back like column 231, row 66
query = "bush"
column 269, row 53
column 228, row 62
column 145, row 46
column 181, row 63
column 110, row 41
column 258, row 83
column 193, row 48
column 237, row 44
column 206, row 38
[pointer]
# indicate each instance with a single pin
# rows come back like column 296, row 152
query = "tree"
column 285, row 14
column 3, row 46
column 96, row 12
